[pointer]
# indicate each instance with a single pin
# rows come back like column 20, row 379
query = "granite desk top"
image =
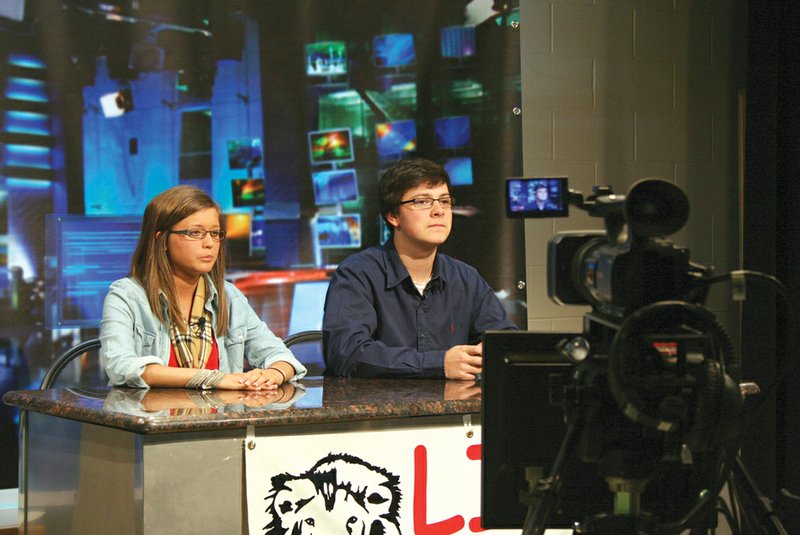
column 313, row 400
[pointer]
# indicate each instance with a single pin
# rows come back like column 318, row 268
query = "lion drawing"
column 339, row 494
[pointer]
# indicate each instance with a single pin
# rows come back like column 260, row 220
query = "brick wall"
column 615, row 91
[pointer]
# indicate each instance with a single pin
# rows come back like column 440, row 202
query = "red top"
column 213, row 358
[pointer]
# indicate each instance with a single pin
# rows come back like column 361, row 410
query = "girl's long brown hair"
column 150, row 264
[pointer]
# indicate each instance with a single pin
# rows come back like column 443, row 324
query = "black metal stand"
column 767, row 516
column 544, row 496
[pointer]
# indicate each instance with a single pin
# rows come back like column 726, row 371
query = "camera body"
column 628, row 265
column 585, row 269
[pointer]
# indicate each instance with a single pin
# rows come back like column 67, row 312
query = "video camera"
column 651, row 401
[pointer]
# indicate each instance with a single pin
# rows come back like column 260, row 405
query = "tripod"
column 628, row 517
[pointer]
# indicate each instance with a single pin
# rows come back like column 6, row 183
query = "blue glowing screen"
column 339, row 231
column 397, row 137
column 460, row 171
column 457, row 41
column 452, row 132
column 334, row 187
column 393, row 50
column 88, row 254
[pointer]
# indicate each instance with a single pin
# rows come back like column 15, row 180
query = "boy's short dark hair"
column 404, row 175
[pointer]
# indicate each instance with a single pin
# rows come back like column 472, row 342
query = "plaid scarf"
column 193, row 347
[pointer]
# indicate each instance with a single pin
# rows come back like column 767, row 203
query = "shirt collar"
column 211, row 291
column 396, row 272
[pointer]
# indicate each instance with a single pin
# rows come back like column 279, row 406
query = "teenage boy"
column 404, row 309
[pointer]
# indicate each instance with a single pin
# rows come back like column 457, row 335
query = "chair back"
column 307, row 347
column 77, row 366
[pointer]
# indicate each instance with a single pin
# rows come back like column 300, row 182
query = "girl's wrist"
column 283, row 375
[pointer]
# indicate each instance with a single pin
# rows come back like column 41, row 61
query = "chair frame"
column 62, row 361
column 302, row 336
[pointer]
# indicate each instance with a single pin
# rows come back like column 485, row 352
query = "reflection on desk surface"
column 177, row 402
column 312, row 400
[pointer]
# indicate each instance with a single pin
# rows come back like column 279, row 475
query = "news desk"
column 118, row 460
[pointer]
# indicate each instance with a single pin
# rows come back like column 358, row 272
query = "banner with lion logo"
column 422, row 480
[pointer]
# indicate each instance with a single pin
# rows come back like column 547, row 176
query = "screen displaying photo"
column 452, row 132
column 339, row 231
column 393, row 50
column 397, row 137
column 536, row 197
column 248, row 192
column 244, row 153
column 460, row 171
column 237, row 240
column 331, row 146
column 334, row 187
column 258, row 233
column 457, row 41
column 326, row 58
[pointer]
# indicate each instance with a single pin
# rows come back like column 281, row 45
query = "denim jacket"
column 132, row 337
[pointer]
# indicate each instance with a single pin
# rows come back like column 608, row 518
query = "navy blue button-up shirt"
column 376, row 323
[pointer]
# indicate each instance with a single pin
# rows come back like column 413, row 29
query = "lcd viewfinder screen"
column 536, row 197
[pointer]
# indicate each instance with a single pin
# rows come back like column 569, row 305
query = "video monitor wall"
column 379, row 120
column 408, row 89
